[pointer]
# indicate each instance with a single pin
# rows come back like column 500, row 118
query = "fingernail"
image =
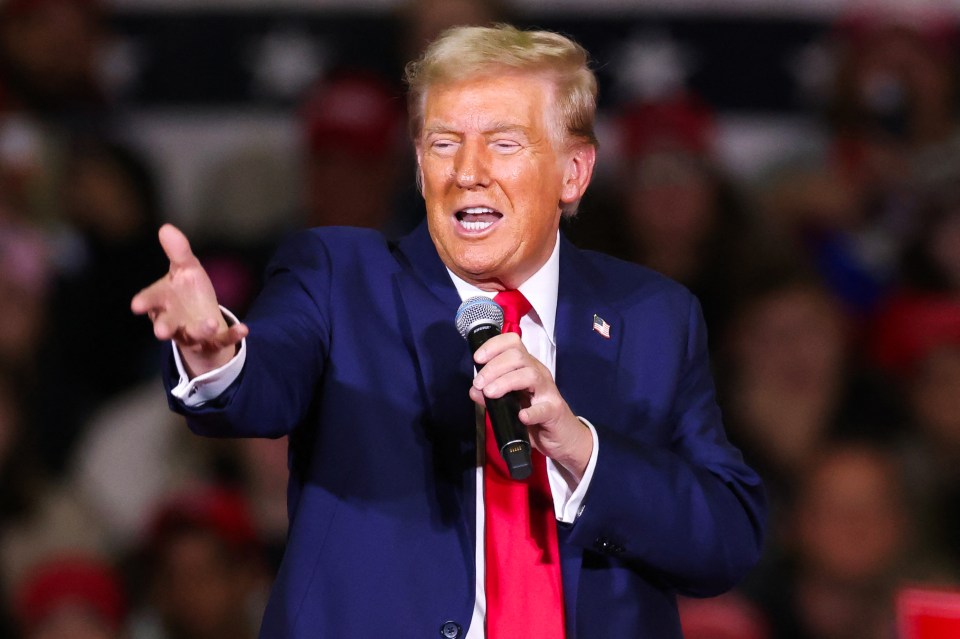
column 478, row 382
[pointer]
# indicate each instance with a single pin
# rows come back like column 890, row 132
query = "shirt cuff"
column 567, row 499
column 203, row 388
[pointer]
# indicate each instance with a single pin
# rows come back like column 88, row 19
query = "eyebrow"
column 495, row 128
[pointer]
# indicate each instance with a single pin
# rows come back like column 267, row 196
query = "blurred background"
column 795, row 164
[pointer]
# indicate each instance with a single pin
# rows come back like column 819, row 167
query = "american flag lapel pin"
column 600, row 325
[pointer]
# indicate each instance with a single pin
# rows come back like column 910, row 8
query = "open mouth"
column 476, row 219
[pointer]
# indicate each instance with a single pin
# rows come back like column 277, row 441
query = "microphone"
column 478, row 319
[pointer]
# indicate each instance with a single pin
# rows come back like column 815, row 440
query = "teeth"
column 477, row 210
column 475, row 226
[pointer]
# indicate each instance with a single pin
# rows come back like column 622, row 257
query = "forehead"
column 491, row 100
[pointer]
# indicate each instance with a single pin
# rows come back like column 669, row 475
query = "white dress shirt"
column 538, row 336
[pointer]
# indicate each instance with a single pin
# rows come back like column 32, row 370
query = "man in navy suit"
column 351, row 349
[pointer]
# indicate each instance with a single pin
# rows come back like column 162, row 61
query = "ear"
column 578, row 170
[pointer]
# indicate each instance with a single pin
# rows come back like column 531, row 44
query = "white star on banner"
column 813, row 67
column 651, row 65
column 119, row 65
column 286, row 61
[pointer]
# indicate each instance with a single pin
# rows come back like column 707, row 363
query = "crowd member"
column 850, row 545
column 49, row 55
column 675, row 211
column 26, row 272
column 891, row 135
column 71, row 596
column 352, row 350
column 111, row 206
column 134, row 454
column 355, row 153
column 791, row 378
column 38, row 516
column 17, row 474
column 202, row 568
column 52, row 88
column 917, row 341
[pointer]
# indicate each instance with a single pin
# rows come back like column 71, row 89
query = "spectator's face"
column 352, row 189
column 23, row 275
column 851, row 522
column 54, row 45
column 793, row 341
column 200, row 591
column 670, row 200
column 72, row 621
column 100, row 198
column 494, row 177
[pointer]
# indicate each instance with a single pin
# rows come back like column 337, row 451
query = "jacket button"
column 604, row 545
column 451, row 630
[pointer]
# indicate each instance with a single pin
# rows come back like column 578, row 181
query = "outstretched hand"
column 183, row 307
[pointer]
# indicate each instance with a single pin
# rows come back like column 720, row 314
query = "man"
column 352, row 350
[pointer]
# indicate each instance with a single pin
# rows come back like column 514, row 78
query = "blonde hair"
column 464, row 52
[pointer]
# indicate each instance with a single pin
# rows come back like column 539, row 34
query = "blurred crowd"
column 830, row 283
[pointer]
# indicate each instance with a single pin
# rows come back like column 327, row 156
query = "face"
column 793, row 341
column 200, row 591
column 852, row 524
column 494, row 177
column 75, row 621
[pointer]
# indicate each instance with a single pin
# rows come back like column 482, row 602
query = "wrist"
column 577, row 457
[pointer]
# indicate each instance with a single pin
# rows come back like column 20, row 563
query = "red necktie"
column 523, row 587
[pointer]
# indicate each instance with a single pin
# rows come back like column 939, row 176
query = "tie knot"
column 514, row 306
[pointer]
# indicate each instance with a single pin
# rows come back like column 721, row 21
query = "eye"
column 443, row 147
column 506, row 147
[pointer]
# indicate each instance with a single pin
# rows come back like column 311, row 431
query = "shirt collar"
column 540, row 289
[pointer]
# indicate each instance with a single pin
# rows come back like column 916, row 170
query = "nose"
column 471, row 168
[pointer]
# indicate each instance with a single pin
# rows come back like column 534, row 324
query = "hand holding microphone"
column 478, row 319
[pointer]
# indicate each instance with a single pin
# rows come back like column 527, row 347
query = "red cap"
column 214, row 509
column 682, row 123
column 911, row 327
column 70, row 581
column 354, row 112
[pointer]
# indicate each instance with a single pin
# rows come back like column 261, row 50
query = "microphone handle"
column 503, row 412
column 511, row 435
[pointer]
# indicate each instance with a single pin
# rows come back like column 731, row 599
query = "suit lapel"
column 587, row 365
column 427, row 301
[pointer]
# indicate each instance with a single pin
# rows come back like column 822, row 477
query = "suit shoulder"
column 340, row 238
column 631, row 282
column 331, row 244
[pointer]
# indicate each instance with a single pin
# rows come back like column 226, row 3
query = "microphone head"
column 478, row 310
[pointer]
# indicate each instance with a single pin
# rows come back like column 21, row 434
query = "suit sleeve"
column 286, row 350
column 691, row 513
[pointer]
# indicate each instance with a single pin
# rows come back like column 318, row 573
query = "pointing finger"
column 176, row 245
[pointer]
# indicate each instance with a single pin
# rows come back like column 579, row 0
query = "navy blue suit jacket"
column 353, row 352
